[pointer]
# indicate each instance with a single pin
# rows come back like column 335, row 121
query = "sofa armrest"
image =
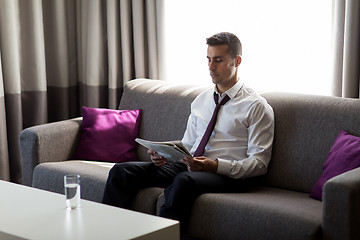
column 52, row 142
column 341, row 206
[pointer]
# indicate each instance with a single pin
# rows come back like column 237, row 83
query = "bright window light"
column 285, row 42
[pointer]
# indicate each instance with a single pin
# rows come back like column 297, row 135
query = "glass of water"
column 72, row 191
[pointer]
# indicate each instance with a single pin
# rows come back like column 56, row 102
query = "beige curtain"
column 58, row 55
column 345, row 59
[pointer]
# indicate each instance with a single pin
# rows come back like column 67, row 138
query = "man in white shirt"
column 239, row 146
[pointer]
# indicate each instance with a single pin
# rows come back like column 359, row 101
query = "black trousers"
column 181, row 186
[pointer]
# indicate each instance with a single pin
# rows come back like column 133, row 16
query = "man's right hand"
column 157, row 159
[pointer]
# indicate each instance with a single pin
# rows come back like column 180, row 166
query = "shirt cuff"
column 224, row 166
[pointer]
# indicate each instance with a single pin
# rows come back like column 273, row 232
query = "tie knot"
column 222, row 102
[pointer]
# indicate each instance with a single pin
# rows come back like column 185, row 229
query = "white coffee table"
column 29, row 213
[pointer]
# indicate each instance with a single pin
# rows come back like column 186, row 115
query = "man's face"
column 222, row 66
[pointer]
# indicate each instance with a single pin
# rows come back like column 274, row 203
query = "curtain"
column 59, row 55
column 345, row 59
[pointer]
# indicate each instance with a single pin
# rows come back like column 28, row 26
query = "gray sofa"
column 277, row 208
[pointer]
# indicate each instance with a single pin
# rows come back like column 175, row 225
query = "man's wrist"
column 216, row 164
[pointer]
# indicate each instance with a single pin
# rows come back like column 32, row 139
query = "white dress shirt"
column 243, row 135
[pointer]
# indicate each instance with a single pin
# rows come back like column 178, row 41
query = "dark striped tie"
column 200, row 149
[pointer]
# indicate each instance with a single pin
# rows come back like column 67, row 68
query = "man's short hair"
column 226, row 38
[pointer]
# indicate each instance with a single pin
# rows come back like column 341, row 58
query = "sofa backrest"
column 306, row 127
column 166, row 107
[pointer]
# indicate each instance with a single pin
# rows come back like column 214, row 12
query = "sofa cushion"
column 50, row 176
column 93, row 174
column 146, row 200
column 108, row 135
column 261, row 213
column 343, row 156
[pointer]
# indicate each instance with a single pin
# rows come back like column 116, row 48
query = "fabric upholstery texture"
column 50, row 176
column 343, row 156
column 52, row 142
column 108, row 135
column 341, row 213
column 146, row 200
column 280, row 214
column 306, row 127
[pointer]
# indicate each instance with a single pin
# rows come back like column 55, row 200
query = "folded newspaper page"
column 171, row 150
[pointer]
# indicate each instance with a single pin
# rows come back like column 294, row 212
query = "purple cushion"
column 343, row 156
column 108, row 135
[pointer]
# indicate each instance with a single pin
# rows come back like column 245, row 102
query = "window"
column 286, row 44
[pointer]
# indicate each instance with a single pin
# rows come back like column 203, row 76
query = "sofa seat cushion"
column 50, row 176
column 146, row 200
column 262, row 213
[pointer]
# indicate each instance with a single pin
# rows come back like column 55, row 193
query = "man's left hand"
column 200, row 164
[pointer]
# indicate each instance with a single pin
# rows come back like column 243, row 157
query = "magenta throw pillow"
column 108, row 135
column 343, row 156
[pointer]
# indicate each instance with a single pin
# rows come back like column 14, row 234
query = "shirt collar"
column 232, row 91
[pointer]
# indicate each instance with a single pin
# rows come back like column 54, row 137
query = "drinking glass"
column 72, row 191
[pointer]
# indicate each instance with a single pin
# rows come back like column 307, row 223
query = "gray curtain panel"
column 59, row 55
column 345, row 59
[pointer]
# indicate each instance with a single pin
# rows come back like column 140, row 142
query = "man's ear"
column 237, row 60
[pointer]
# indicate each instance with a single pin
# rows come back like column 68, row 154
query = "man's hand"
column 200, row 164
column 158, row 160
